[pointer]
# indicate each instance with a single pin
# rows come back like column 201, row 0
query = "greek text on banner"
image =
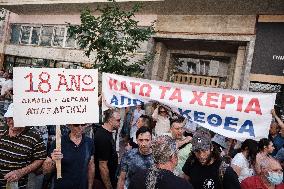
column 231, row 113
column 55, row 96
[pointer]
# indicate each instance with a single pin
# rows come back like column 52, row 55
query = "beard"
column 205, row 161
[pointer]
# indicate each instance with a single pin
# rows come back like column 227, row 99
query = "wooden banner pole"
column 58, row 147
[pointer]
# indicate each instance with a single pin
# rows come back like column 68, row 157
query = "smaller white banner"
column 55, row 96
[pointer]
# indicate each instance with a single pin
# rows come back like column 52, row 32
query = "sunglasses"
column 163, row 111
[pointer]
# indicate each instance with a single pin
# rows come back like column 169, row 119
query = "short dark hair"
column 143, row 130
column 148, row 122
column 177, row 120
column 108, row 114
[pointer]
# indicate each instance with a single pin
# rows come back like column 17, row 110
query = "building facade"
column 210, row 43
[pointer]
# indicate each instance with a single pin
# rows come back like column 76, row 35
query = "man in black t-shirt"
column 106, row 159
column 160, row 175
column 205, row 169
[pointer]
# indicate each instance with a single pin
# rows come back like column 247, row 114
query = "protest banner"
column 55, row 96
column 231, row 113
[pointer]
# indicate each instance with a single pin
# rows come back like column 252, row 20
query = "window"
column 70, row 41
column 46, row 35
column 35, row 35
column 58, row 36
column 25, row 34
column 15, row 34
column 191, row 67
column 55, row 36
column 204, row 67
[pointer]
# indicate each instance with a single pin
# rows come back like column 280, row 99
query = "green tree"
column 2, row 14
column 113, row 36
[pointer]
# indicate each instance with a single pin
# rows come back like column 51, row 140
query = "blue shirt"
column 74, row 165
column 132, row 161
column 278, row 142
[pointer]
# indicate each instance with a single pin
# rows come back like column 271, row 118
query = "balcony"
column 199, row 80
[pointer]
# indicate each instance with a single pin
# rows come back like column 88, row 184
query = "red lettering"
column 113, row 84
column 88, row 80
column 176, row 95
column 164, row 89
column 75, row 82
column 253, row 105
column 62, row 82
column 227, row 99
column 147, row 93
column 123, row 86
column 133, row 85
column 210, row 99
column 196, row 98
column 240, row 103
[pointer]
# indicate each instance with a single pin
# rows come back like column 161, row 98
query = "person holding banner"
column 276, row 133
column 77, row 158
column 162, row 118
column 22, row 151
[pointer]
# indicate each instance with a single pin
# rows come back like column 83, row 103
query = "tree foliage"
column 113, row 35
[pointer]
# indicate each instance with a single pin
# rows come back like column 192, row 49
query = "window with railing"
column 42, row 35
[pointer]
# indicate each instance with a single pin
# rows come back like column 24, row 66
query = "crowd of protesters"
column 158, row 149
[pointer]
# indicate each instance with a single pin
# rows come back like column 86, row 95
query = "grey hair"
column 163, row 149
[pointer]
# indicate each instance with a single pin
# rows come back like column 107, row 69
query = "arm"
column 49, row 163
column 155, row 114
column 121, row 180
column 105, row 174
column 279, row 121
column 237, row 169
column 186, row 177
column 184, row 141
column 91, row 173
column 19, row 173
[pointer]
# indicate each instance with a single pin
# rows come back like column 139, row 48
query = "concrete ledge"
column 267, row 78
column 271, row 18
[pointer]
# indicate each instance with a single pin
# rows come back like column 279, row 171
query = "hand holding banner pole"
column 58, row 147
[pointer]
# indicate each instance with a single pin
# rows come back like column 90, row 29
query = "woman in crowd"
column 244, row 162
column 162, row 118
column 265, row 147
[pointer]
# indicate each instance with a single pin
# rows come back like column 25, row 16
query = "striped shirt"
column 20, row 151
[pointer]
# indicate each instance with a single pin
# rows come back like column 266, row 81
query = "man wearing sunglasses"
column 77, row 160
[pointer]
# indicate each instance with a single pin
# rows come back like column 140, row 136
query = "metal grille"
column 196, row 80
column 264, row 87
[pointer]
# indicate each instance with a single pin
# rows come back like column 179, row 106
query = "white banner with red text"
column 231, row 113
column 55, row 96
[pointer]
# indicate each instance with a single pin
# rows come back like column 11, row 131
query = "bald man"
column 270, row 177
